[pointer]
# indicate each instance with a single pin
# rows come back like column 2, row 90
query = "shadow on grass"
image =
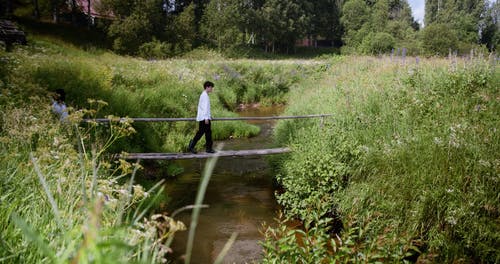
column 79, row 36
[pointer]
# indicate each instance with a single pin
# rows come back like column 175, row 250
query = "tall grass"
column 58, row 205
column 103, row 215
column 139, row 88
column 409, row 159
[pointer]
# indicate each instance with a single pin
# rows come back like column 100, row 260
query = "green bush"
column 156, row 50
column 321, row 166
column 376, row 43
column 439, row 39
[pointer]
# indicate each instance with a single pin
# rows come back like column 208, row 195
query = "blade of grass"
column 52, row 202
column 34, row 237
column 187, row 207
column 95, row 169
column 207, row 173
column 138, row 217
column 82, row 164
column 130, row 185
column 226, row 248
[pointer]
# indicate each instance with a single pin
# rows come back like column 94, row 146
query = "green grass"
column 409, row 159
column 60, row 205
column 140, row 88
column 61, row 198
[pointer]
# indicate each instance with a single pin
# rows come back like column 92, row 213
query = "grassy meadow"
column 407, row 167
column 405, row 170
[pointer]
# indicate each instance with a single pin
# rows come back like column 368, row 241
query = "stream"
column 240, row 196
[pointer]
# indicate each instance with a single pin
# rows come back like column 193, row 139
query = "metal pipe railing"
column 163, row 119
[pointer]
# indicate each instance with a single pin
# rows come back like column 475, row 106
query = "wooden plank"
column 203, row 155
column 166, row 119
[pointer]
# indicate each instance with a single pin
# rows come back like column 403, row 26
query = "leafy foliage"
column 160, row 29
column 221, row 23
column 439, row 39
column 374, row 28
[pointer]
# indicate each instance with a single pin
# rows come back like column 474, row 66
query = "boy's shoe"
column 210, row 151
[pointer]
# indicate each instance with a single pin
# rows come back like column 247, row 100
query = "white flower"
column 451, row 220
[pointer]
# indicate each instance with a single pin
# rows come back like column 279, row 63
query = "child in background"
column 59, row 106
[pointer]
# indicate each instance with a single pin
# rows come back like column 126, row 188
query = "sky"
column 418, row 10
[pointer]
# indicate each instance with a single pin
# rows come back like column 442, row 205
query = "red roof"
column 84, row 7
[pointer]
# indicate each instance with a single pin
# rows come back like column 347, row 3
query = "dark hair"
column 208, row 84
column 60, row 95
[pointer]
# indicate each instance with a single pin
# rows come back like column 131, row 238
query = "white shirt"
column 204, row 107
column 60, row 110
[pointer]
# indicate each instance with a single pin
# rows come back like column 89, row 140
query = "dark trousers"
column 204, row 129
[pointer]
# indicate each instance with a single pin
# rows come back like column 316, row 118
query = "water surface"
column 240, row 196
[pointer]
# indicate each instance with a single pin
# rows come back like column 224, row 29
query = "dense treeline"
column 160, row 28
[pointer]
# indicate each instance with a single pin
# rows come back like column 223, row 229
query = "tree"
column 251, row 20
column 439, row 38
column 220, row 23
column 355, row 14
column 6, row 8
column 181, row 29
column 199, row 7
column 137, row 22
column 379, row 42
column 285, row 23
column 325, row 20
column 55, row 7
column 464, row 16
column 368, row 24
column 490, row 27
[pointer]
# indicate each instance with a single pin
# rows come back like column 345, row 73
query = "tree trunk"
column 55, row 11
column 73, row 12
column 8, row 9
column 89, row 14
column 36, row 10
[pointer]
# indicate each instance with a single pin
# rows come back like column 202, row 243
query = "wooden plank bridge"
column 202, row 155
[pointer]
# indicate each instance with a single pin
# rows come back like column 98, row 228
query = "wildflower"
column 438, row 141
column 451, row 220
column 365, row 148
column 484, row 163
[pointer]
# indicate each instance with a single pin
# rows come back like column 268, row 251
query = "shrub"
column 156, row 50
column 376, row 43
column 439, row 39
